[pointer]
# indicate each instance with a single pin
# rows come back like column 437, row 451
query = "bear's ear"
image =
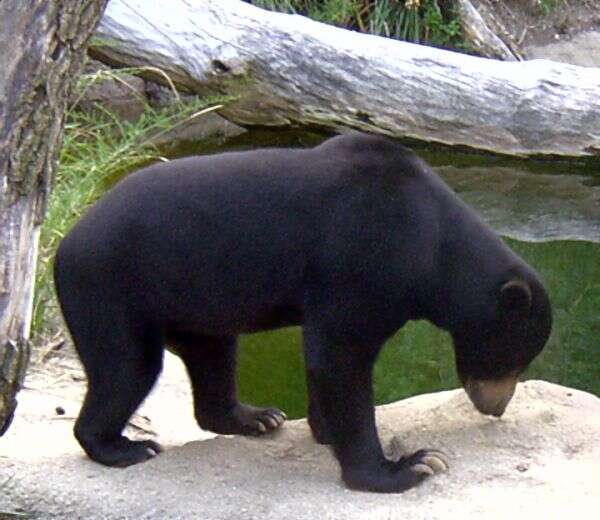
column 516, row 296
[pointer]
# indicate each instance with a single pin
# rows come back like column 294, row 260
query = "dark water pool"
column 548, row 212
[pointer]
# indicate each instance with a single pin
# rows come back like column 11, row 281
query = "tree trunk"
column 289, row 70
column 42, row 50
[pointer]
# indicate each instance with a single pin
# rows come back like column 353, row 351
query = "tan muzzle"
column 491, row 397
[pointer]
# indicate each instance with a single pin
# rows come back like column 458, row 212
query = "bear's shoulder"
column 374, row 155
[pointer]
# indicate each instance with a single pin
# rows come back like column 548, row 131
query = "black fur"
column 349, row 239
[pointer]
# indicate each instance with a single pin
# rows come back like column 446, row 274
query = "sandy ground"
column 542, row 460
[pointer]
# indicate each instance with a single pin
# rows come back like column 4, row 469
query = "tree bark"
column 289, row 70
column 495, row 14
column 42, row 50
column 482, row 38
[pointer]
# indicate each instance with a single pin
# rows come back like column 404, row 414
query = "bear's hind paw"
column 120, row 452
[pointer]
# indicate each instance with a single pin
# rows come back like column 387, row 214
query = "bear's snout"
column 491, row 397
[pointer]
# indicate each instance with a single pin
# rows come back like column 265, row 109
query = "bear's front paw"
column 396, row 476
column 244, row 419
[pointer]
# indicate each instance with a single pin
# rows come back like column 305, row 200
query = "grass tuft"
column 418, row 21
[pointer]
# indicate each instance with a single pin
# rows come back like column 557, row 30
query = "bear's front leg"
column 210, row 363
column 317, row 423
column 340, row 383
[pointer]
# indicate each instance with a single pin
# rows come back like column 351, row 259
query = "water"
column 548, row 212
column 529, row 206
column 529, row 200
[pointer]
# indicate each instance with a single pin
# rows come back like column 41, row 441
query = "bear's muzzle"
column 491, row 397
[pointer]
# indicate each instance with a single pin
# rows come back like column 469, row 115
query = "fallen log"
column 289, row 70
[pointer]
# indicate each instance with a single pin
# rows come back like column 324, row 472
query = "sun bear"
column 349, row 240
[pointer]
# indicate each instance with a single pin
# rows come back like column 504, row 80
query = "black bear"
column 349, row 239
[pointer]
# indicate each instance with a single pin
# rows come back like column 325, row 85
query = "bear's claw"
column 424, row 469
column 428, row 462
column 245, row 420
column 266, row 419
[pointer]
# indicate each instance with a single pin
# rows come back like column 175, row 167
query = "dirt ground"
column 542, row 22
column 58, row 377
column 541, row 460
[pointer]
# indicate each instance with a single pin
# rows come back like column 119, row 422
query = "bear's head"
column 493, row 351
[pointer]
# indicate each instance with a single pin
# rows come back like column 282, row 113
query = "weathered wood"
column 481, row 37
column 290, row 70
column 42, row 50
column 494, row 14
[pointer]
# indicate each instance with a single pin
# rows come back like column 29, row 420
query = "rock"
column 582, row 49
column 207, row 127
column 123, row 94
column 541, row 460
column 128, row 95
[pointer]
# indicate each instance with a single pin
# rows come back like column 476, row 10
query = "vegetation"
column 98, row 148
column 419, row 21
column 547, row 6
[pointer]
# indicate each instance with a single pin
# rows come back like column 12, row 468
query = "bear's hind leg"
column 210, row 363
column 121, row 369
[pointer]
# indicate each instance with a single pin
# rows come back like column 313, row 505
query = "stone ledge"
column 542, row 459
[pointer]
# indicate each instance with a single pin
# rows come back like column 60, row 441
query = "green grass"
column 547, row 6
column 571, row 271
column 420, row 359
column 419, row 21
column 98, row 148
